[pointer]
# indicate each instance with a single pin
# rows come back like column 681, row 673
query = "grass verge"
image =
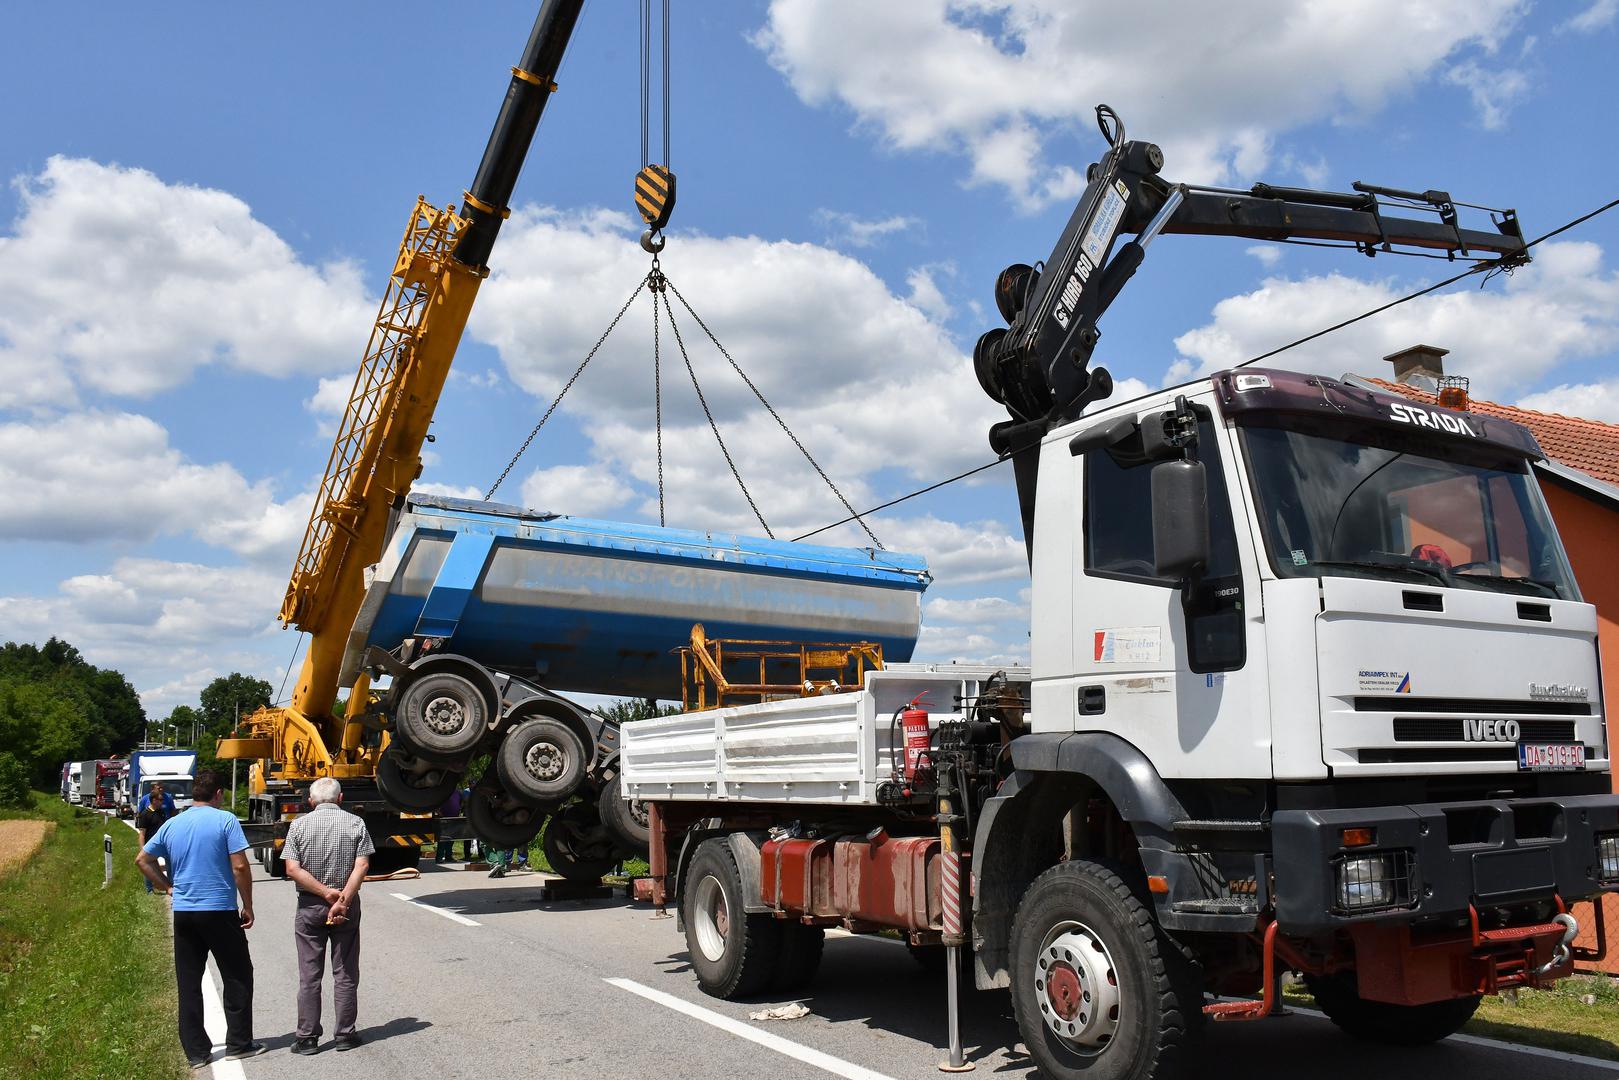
column 86, row 974
column 1578, row 1015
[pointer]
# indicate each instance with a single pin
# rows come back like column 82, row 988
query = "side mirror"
column 1180, row 518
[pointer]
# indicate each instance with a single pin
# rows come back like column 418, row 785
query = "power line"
column 1469, row 272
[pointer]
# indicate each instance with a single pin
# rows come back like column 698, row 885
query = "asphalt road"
column 515, row 986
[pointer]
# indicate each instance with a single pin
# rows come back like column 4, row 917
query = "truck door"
column 1166, row 665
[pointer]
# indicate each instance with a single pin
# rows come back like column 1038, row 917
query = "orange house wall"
column 1590, row 532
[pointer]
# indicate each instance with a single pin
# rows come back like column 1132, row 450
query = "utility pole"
column 238, row 704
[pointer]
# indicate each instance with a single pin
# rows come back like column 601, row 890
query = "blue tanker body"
column 598, row 607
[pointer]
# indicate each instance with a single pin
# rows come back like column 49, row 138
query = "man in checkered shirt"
column 328, row 852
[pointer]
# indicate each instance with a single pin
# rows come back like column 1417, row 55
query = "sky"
column 203, row 201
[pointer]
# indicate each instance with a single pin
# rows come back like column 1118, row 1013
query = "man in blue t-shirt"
column 207, row 866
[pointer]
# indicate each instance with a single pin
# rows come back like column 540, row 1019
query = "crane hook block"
column 655, row 195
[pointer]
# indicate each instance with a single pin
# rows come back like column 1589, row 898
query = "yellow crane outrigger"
column 442, row 261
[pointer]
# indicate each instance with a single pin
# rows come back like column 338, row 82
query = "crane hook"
column 652, row 241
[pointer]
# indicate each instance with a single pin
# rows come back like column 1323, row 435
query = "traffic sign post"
column 106, row 854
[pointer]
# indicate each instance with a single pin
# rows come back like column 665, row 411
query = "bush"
column 13, row 782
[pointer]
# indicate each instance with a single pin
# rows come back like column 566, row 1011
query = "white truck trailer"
column 1312, row 688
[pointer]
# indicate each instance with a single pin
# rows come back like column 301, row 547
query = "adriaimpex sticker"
column 1129, row 645
column 1383, row 682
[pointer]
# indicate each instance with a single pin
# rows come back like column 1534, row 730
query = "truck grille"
column 1450, row 729
column 1403, row 703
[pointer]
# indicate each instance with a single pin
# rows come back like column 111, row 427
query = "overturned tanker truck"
column 484, row 615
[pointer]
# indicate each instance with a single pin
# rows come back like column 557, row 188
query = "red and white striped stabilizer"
column 950, row 888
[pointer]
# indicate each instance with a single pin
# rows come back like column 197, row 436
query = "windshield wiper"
column 1545, row 588
column 1431, row 572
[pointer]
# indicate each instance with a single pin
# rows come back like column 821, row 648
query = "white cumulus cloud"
column 999, row 80
column 118, row 281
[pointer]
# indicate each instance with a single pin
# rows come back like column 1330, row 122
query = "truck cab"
column 1381, row 593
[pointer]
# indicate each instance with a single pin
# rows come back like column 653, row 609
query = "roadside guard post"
column 106, row 856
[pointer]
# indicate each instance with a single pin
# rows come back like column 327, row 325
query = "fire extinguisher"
column 914, row 721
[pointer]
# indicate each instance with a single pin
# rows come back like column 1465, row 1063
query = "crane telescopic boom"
column 377, row 453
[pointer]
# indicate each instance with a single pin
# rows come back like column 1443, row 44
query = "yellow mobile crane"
column 376, row 456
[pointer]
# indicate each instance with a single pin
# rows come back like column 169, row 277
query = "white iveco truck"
column 1312, row 689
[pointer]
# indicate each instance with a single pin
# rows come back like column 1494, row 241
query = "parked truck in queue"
column 1312, row 688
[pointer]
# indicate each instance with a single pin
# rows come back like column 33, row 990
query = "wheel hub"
column 1078, row 988
column 444, row 715
column 544, row 761
column 711, row 919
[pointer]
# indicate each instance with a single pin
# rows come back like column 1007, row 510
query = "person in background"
column 328, row 853
column 207, row 869
column 446, row 848
column 155, row 809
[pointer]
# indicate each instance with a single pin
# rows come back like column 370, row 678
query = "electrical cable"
column 288, row 674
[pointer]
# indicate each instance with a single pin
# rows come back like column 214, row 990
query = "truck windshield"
column 1393, row 505
column 174, row 788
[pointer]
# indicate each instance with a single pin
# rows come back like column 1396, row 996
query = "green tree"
column 13, row 782
column 625, row 710
column 42, row 724
column 221, row 699
column 184, row 721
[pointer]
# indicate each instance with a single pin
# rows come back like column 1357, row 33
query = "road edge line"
column 786, row 1047
column 1497, row 1044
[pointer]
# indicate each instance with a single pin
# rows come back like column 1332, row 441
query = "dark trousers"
column 313, row 937
column 196, row 935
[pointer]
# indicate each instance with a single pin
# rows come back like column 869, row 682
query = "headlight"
column 1375, row 881
column 1608, row 856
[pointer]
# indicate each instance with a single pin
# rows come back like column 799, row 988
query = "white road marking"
column 809, row 1056
column 462, row 919
column 1497, row 1044
column 213, row 1021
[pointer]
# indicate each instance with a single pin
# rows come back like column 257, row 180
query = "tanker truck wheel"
column 441, row 715
column 733, row 954
column 625, row 818
column 541, row 760
column 1381, row 1022
column 500, row 821
column 577, row 845
column 411, row 784
column 1101, row 992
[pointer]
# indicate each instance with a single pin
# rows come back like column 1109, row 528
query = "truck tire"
column 1099, row 989
column 1382, row 1022
column 541, row 760
column 411, row 784
column 577, row 845
column 733, row 954
column 801, row 948
column 625, row 818
column 274, row 864
column 501, row 822
column 441, row 716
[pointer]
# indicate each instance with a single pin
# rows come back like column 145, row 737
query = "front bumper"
column 1452, row 857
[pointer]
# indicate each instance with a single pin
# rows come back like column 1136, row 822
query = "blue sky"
column 204, row 201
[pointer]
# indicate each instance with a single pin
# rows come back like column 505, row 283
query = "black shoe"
column 307, row 1044
column 250, row 1050
column 499, row 871
column 199, row 1062
column 348, row 1042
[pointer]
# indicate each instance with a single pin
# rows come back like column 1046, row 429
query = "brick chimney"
column 1421, row 366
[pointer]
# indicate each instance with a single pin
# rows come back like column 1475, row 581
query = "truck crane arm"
column 1039, row 366
column 377, row 452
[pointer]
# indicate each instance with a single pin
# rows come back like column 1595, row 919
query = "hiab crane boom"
column 1312, row 688
column 377, row 455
